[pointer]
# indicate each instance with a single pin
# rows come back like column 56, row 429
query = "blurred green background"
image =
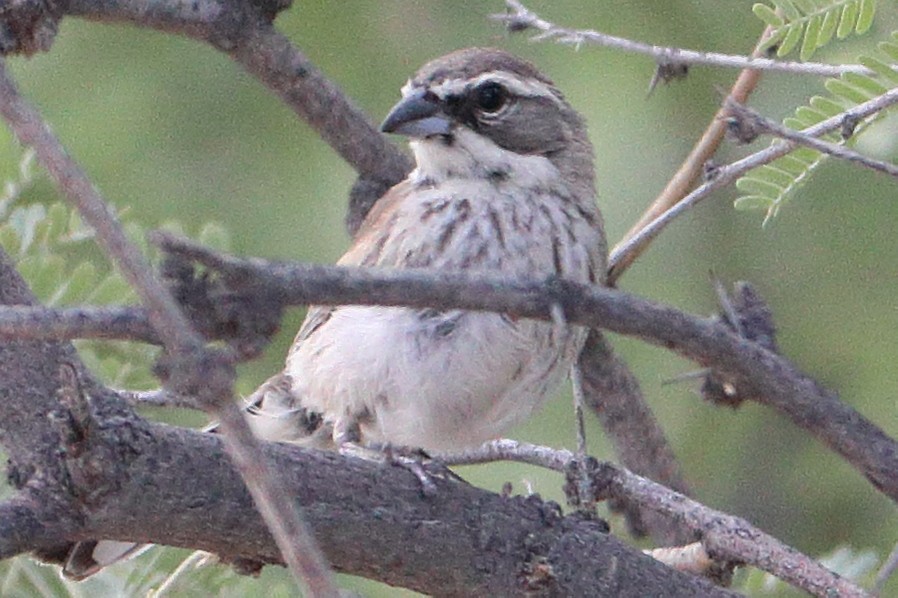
column 176, row 131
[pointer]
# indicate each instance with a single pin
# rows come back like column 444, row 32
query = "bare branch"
column 729, row 173
column 210, row 375
column 724, row 536
column 520, row 18
column 614, row 395
column 759, row 124
column 119, row 323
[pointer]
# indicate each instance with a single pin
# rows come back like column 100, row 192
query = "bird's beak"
column 417, row 115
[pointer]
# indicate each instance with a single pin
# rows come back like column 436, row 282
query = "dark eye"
column 490, row 97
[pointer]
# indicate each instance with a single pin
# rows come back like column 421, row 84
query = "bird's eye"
column 490, row 97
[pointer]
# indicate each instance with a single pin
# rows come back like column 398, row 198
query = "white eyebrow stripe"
column 514, row 83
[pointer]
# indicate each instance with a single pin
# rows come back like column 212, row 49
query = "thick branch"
column 371, row 520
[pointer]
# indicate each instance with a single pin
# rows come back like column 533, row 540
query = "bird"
column 503, row 184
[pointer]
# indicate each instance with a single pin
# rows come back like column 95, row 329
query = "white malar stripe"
column 473, row 156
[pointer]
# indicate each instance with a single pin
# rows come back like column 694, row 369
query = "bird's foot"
column 415, row 460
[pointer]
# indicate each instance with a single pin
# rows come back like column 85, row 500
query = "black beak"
column 418, row 114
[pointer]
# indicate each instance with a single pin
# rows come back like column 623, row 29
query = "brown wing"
column 365, row 251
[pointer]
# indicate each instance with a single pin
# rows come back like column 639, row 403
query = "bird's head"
column 483, row 108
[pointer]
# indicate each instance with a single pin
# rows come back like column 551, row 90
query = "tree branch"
column 724, row 536
column 690, row 171
column 370, row 520
column 241, row 30
column 519, row 18
column 755, row 124
column 729, row 173
column 41, row 323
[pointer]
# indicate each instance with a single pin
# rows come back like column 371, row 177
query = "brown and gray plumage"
column 503, row 184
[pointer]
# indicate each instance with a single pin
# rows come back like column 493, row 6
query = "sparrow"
column 504, row 184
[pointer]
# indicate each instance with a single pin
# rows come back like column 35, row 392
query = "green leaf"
column 809, row 116
column 848, row 20
column 112, row 289
column 81, row 282
column 805, row 6
column 775, row 175
column 753, row 186
column 811, row 36
column 788, row 9
column 865, row 16
column 839, row 87
column 889, row 49
column 827, row 106
column 753, row 202
column 767, row 14
column 880, row 67
column 10, row 241
column 828, row 28
column 793, row 36
column 865, row 83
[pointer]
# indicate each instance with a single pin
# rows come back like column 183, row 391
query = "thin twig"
column 692, row 168
column 886, row 571
column 158, row 397
column 724, row 536
column 119, row 323
column 579, row 402
column 729, row 173
column 293, row 538
column 520, row 18
column 761, row 124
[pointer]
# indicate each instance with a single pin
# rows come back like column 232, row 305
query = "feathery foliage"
column 813, row 23
column 770, row 186
column 56, row 254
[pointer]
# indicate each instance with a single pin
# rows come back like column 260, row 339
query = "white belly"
column 431, row 380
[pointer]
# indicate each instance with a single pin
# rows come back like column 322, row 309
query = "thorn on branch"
column 28, row 26
column 741, row 127
column 849, row 124
column 271, row 8
column 748, row 315
column 667, row 71
column 246, row 317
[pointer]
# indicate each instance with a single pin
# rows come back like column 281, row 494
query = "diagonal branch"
column 239, row 29
column 210, row 375
column 691, row 169
column 729, row 173
column 725, row 537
